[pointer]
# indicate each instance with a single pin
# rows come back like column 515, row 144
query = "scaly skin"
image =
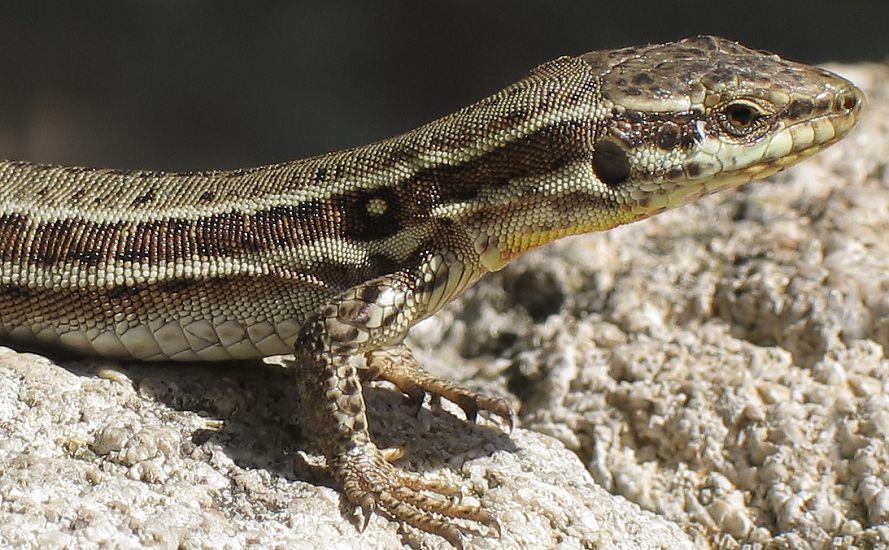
column 338, row 256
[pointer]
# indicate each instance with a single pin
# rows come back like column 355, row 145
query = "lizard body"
column 338, row 256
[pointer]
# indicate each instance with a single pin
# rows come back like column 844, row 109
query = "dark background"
column 180, row 84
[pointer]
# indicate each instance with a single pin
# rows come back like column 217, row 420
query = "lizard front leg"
column 366, row 319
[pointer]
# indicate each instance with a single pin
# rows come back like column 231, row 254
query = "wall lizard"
column 336, row 257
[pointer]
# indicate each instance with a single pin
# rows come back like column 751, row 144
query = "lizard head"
column 693, row 117
column 610, row 137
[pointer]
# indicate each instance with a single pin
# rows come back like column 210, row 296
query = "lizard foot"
column 398, row 366
column 369, row 481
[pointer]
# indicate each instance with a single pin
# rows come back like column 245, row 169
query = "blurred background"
column 186, row 84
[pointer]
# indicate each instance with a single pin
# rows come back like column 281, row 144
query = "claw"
column 453, row 535
column 501, row 408
column 367, row 509
column 415, row 397
column 487, row 519
column 392, row 454
column 511, row 420
column 470, row 408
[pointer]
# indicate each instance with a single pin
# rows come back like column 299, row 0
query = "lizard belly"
column 236, row 317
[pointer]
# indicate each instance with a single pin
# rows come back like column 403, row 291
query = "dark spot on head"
column 642, row 79
column 693, row 169
column 610, row 162
column 722, row 74
column 657, row 91
column 667, row 136
column 674, row 173
column 700, row 66
column 799, row 108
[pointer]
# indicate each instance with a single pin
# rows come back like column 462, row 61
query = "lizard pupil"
column 741, row 116
column 610, row 162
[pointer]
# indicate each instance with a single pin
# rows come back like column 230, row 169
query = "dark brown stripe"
column 542, row 152
column 14, row 292
column 576, row 205
column 13, row 232
column 353, row 216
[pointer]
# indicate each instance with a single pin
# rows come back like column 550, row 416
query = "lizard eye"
column 741, row 118
column 740, row 115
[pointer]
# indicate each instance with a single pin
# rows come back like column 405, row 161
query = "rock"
column 138, row 458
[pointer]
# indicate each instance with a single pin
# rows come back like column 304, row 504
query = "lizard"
column 334, row 258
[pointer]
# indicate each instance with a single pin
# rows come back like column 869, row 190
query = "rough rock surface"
column 95, row 455
column 722, row 365
column 719, row 373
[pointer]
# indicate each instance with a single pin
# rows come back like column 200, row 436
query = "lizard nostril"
column 845, row 100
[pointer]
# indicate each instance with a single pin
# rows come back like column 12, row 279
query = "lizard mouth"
column 838, row 113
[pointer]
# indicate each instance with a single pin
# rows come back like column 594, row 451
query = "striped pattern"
column 81, row 249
